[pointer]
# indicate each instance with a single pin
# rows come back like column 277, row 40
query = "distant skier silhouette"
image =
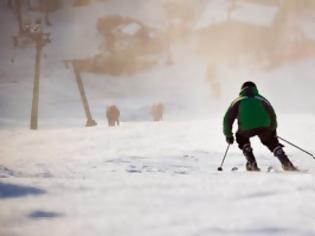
column 255, row 116
column 157, row 111
column 112, row 115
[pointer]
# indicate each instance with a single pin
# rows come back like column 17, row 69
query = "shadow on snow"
column 14, row 191
column 44, row 214
column 253, row 231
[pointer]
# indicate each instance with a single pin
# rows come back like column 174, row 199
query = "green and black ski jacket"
column 252, row 111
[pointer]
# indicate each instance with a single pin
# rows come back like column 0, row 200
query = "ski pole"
column 226, row 151
column 301, row 149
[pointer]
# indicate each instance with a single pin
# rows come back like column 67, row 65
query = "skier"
column 112, row 115
column 255, row 116
column 157, row 111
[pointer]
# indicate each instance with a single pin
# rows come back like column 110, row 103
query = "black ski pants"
column 266, row 136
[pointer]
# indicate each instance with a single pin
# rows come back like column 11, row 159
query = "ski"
column 269, row 169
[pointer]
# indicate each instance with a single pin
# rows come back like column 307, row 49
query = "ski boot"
column 251, row 164
column 283, row 158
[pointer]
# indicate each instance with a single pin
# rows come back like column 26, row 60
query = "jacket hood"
column 249, row 91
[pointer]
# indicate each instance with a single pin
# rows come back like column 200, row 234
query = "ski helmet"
column 249, row 84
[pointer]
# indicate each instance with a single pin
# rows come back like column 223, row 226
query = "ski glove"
column 229, row 139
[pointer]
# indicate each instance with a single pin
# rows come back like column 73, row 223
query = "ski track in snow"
column 146, row 178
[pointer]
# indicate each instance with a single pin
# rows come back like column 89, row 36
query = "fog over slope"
column 181, row 85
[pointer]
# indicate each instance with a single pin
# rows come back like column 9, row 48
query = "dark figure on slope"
column 255, row 116
column 157, row 111
column 112, row 115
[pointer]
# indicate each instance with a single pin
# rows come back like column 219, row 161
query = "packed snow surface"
column 152, row 178
column 143, row 177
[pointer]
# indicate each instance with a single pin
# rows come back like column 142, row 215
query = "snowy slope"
column 148, row 178
column 145, row 178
